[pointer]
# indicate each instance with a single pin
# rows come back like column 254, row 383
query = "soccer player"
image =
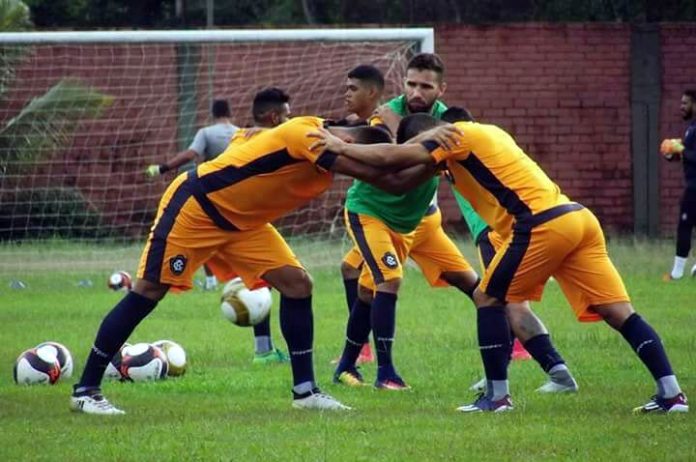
column 364, row 89
column 384, row 229
column 270, row 108
column 526, row 326
column 684, row 150
column 544, row 234
column 225, row 208
column 208, row 143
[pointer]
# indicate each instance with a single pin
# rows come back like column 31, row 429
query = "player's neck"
column 223, row 120
column 365, row 114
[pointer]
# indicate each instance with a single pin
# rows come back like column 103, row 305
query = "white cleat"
column 94, row 404
column 320, row 401
column 479, row 387
column 556, row 387
column 693, row 271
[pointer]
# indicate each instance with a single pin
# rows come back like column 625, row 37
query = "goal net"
column 83, row 114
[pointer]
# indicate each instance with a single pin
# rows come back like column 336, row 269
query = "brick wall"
column 563, row 92
column 678, row 74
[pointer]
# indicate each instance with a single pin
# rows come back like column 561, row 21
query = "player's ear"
column 443, row 87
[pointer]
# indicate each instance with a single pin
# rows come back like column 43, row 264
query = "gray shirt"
column 212, row 140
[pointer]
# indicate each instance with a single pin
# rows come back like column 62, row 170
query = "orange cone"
column 518, row 352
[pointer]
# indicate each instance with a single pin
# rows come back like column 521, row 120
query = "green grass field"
column 225, row 408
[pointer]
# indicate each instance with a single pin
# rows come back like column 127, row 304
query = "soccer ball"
column 120, row 280
column 143, row 362
column 245, row 307
column 112, row 371
column 175, row 355
column 37, row 365
column 63, row 355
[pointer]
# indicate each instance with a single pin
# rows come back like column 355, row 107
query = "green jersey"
column 404, row 212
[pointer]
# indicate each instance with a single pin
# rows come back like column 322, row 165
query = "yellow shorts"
column 571, row 248
column 353, row 258
column 183, row 238
column 383, row 249
column 434, row 251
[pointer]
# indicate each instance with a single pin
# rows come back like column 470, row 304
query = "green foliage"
column 14, row 16
column 47, row 123
column 48, row 213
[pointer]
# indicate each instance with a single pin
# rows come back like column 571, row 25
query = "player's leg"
column 516, row 274
column 350, row 272
column 211, row 281
column 265, row 352
column 526, row 327
column 383, row 251
column 595, row 290
column 263, row 254
column 169, row 259
column 684, row 226
column 357, row 334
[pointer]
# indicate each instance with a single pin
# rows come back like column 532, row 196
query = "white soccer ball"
column 143, row 362
column 120, row 280
column 113, row 369
column 245, row 307
column 175, row 355
column 37, row 365
column 63, row 355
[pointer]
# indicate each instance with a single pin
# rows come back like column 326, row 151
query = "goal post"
column 83, row 113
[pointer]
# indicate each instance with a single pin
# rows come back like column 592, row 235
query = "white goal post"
column 83, row 113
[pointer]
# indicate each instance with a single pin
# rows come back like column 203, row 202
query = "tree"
column 41, row 127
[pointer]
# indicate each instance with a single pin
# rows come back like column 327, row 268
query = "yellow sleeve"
column 298, row 142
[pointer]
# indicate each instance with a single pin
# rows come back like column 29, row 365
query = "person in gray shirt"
column 208, row 143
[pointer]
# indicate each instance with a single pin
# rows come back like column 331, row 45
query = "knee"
column 292, row 282
column 614, row 314
column 465, row 281
column 365, row 295
column 348, row 271
column 482, row 299
column 392, row 286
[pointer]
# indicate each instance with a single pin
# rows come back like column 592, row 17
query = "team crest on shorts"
column 390, row 260
column 177, row 264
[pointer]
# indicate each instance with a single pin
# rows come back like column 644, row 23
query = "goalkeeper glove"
column 155, row 170
column 671, row 149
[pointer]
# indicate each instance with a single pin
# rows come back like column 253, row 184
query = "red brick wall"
column 678, row 74
column 563, row 91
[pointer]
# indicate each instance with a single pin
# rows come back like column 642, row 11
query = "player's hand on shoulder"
column 447, row 136
column 324, row 140
column 251, row 131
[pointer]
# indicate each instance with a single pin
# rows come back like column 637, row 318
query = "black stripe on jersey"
column 359, row 234
column 207, row 206
column 158, row 243
column 485, row 248
column 227, row 176
column 504, row 273
column 505, row 196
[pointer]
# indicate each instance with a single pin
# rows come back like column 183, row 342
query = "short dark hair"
column 691, row 93
column 427, row 62
column 363, row 134
column 369, row 74
column 414, row 124
column 457, row 114
column 220, row 109
column 266, row 100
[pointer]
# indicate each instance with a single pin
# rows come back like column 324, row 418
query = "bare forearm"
column 387, row 155
column 402, row 181
column 180, row 159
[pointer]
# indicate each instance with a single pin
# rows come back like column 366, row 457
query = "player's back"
column 502, row 183
column 217, row 138
column 259, row 180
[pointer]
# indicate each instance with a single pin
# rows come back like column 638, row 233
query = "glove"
column 155, row 170
column 671, row 149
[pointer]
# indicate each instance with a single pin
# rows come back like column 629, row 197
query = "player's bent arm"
column 394, row 156
column 180, row 159
column 393, row 182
